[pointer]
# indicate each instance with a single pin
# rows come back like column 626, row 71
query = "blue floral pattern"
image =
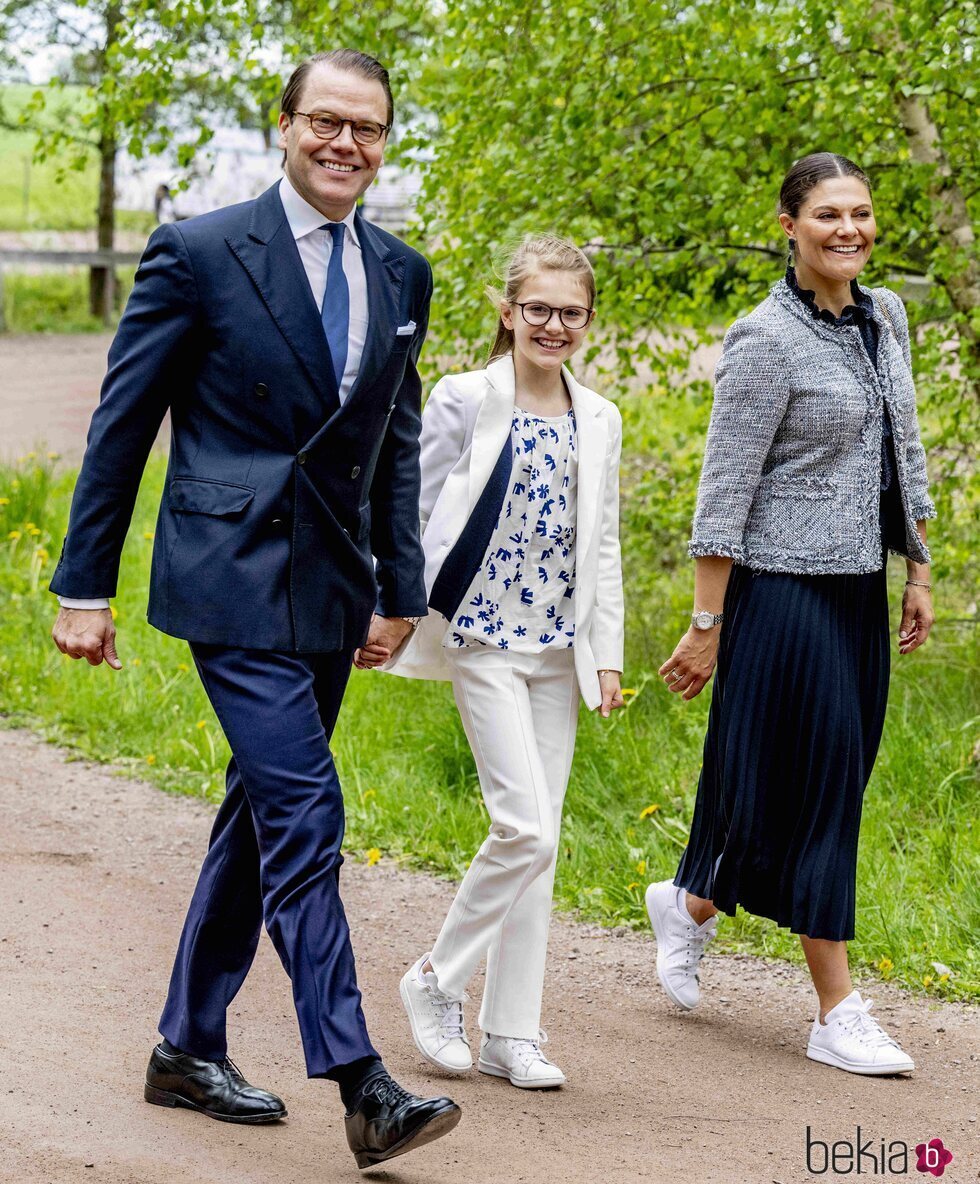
column 522, row 597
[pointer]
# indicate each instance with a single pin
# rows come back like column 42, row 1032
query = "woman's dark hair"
column 350, row 60
column 807, row 173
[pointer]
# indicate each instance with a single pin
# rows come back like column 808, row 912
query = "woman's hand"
column 612, row 695
column 690, row 666
column 917, row 618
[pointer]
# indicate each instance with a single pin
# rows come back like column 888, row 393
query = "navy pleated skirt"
column 795, row 722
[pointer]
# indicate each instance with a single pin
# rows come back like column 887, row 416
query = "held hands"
column 612, row 695
column 87, row 633
column 917, row 618
column 384, row 637
column 690, row 666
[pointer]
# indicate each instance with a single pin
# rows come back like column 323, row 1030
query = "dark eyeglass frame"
column 590, row 313
column 381, row 128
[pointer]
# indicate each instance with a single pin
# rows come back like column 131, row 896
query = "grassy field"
column 409, row 779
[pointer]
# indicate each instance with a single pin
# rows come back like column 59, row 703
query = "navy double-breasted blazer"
column 277, row 497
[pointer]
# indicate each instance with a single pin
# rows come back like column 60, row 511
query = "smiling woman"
column 813, row 471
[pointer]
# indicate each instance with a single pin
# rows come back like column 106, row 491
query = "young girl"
column 519, row 508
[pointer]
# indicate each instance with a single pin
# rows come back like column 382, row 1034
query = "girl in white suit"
column 520, row 528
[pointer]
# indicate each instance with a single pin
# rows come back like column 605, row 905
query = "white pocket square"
column 405, row 330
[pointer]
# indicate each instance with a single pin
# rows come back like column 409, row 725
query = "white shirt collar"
column 304, row 218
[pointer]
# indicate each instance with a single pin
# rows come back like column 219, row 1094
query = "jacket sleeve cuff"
column 924, row 510
column 698, row 549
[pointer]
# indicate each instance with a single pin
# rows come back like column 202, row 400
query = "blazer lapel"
column 590, row 445
column 492, row 426
column 270, row 257
column 384, row 281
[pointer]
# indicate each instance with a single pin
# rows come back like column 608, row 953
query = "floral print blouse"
column 522, row 596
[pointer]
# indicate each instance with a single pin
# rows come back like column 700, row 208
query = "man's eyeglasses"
column 539, row 314
column 326, row 126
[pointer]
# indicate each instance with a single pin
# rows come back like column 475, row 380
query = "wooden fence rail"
column 107, row 260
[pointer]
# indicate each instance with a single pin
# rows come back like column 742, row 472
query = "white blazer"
column 467, row 419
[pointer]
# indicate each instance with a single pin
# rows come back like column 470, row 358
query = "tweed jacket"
column 792, row 465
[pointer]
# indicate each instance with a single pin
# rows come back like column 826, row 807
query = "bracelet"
column 918, row 584
column 602, row 672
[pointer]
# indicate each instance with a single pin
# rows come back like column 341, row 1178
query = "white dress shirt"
column 314, row 245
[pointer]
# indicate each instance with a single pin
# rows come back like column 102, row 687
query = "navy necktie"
column 335, row 313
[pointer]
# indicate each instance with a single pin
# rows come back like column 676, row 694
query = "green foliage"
column 411, row 789
column 54, row 302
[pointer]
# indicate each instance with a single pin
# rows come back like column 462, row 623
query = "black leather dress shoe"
column 387, row 1121
column 215, row 1088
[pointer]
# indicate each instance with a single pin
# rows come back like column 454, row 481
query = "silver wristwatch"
column 706, row 620
column 413, row 621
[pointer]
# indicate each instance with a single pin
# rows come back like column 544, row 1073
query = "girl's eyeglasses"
column 539, row 314
column 326, row 126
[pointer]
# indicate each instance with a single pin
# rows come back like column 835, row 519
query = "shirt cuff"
column 70, row 602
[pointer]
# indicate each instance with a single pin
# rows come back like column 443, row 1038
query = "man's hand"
column 87, row 633
column 384, row 637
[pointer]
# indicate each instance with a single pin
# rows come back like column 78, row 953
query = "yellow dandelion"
column 42, row 554
column 885, row 965
column 649, row 811
column 54, row 456
column 627, row 692
column 33, row 532
column 944, row 978
column 373, row 856
column 927, row 980
column 113, row 611
column 369, row 793
column 183, row 667
column 15, row 484
column 14, row 535
column 136, row 662
column 30, row 526
column 148, row 534
column 631, row 886
column 641, row 867
column 4, row 501
column 202, row 723
column 151, row 759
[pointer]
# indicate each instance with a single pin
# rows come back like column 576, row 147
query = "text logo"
column 932, row 1157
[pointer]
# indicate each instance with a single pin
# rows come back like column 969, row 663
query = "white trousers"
column 520, row 713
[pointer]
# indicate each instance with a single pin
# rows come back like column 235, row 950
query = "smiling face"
column 546, row 346
column 332, row 174
column 834, row 231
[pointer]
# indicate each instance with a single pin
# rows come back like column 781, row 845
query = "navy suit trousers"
column 274, row 855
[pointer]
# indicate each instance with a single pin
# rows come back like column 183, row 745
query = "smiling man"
column 283, row 336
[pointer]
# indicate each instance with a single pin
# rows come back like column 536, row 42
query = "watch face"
column 704, row 620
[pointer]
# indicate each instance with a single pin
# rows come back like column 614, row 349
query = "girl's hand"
column 917, row 618
column 612, row 695
column 690, row 666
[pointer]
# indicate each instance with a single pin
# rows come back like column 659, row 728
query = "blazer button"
column 301, row 459
column 261, row 390
column 355, row 472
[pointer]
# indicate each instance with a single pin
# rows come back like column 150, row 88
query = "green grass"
column 55, row 302
column 409, row 779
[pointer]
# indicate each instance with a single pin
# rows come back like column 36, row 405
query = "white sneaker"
column 521, row 1061
column 436, row 1020
column 680, row 943
column 852, row 1040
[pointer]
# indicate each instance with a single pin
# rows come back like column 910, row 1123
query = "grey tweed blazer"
column 792, row 466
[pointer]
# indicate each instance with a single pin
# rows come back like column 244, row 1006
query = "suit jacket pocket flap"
column 191, row 495
column 807, row 488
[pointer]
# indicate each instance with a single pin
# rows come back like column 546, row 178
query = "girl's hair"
column 806, row 174
column 536, row 252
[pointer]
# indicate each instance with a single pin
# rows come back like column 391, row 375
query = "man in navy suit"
column 282, row 335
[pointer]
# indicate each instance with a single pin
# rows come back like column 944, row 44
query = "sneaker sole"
column 836, row 1062
column 653, row 914
column 437, row 1126
column 497, row 1071
column 162, row 1097
column 407, row 1004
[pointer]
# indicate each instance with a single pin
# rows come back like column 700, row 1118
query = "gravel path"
column 95, row 873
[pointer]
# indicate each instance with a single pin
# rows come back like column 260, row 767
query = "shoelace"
column 386, row 1089
column 866, row 1028
column 696, row 942
column 450, row 1014
column 529, row 1051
